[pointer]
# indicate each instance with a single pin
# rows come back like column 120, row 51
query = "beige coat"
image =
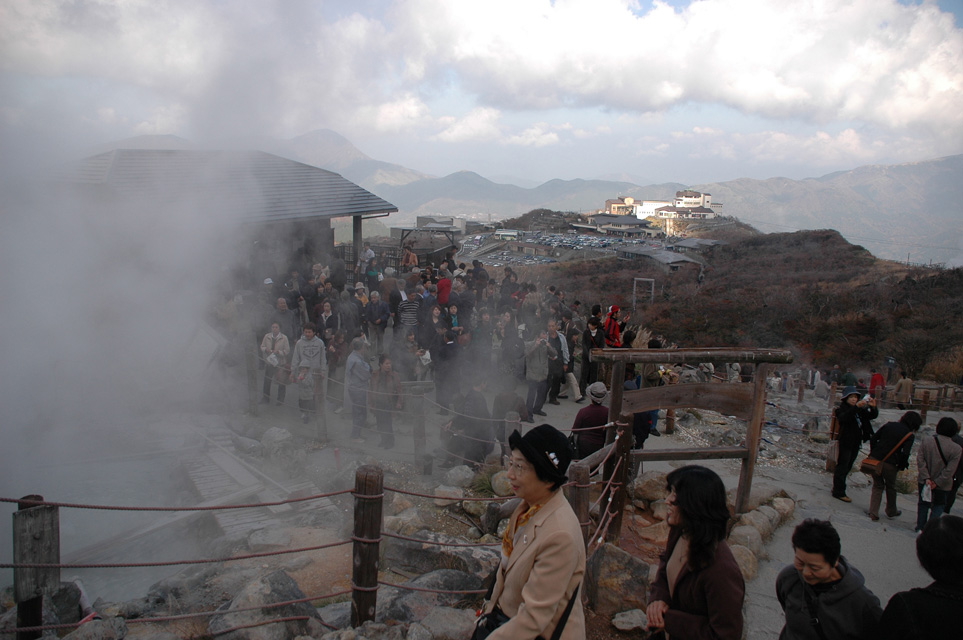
column 903, row 392
column 930, row 465
column 546, row 565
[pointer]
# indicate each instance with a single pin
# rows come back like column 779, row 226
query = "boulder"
column 659, row 510
column 785, row 508
column 657, row 533
column 265, row 590
column 337, row 615
column 819, row 436
column 748, row 537
column 417, row 632
column 758, row 521
column 247, row 446
column 407, row 522
column 634, row 620
column 771, row 514
column 460, row 476
column 447, row 623
column 409, row 606
column 500, row 484
column 277, row 442
column 649, row 486
column 747, row 561
column 398, row 504
column 448, row 495
column 430, row 555
column 475, row 508
column 109, row 629
column 615, row 580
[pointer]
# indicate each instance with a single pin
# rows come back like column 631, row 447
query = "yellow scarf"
column 508, row 538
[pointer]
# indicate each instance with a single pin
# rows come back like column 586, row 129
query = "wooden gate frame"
column 743, row 400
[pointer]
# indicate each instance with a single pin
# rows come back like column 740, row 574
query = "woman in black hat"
column 543, row 554
column 853, row 416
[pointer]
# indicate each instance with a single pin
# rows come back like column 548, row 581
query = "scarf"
column 508, row 538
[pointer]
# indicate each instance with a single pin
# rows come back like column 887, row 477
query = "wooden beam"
column 753, row 435
column 692, row 356
column 727, row 399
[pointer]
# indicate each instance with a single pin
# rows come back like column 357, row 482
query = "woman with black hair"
column 935, row 611
column 699, row 589
column 936, row 461
column 536, row 588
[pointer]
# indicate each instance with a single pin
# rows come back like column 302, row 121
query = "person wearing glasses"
column 536, row 588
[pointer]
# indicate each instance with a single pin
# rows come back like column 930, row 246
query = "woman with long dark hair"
column 699, row 589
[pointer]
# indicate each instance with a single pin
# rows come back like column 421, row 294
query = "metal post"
column 368, row 499
column 36, row 540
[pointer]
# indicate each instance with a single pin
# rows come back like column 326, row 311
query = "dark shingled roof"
column 258, row 186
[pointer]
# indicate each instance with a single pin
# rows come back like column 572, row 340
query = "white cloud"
column 538, row 135
column 877, row 61
column 480, row 124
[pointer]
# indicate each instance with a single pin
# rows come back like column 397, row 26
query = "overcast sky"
column 661, row 91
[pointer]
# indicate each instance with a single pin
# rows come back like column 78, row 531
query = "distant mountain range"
column 895, row 211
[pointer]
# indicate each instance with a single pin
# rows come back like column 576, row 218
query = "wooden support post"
column 802, row 392
column 36, row 540
column 615, row 403
column 669, row 421
column 926, row 405
column 832, row 395
column 368, row 501
column 623, row 451
column 580, row 497
column 418, row 429
column 753, row 436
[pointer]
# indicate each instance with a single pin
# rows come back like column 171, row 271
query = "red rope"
column 425, row 495
column 125, row 565
column 44, row 503
column 441, row 544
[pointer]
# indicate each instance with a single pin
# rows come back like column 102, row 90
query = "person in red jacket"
column 876, row 380
column 613, row 328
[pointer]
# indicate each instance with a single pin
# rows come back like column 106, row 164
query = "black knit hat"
column 547, row 449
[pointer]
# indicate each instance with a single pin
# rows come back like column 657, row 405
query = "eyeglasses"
column 519, row 467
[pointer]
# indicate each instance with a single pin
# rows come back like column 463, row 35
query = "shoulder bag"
column 489, row 622
column 874, row 467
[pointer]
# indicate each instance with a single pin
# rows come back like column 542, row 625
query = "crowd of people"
column 454, row 324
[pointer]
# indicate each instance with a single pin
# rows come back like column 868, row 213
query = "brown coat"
column 707, row 604
column 541, row 575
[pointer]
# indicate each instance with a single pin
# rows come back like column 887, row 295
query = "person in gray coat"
column 822, row 595
column 357, row 375
column 537, row 354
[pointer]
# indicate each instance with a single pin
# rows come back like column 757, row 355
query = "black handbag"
column 490, row 621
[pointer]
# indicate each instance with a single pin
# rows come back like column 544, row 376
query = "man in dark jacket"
column 884, row 444
column 376, row 314
column 822, row 595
